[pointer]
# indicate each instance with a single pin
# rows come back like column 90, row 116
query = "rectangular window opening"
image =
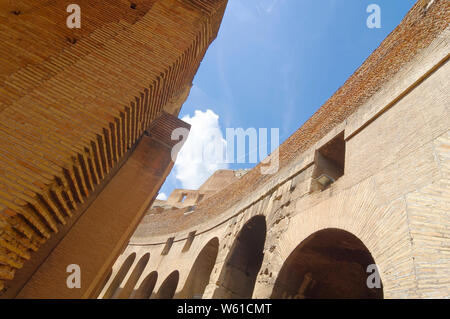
column 329, row 163
column 167, row 246
column 189, row 241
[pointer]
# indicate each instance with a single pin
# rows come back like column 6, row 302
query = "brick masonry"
column 393, row 196
column 74, row 102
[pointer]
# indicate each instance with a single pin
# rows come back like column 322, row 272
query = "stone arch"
column 114, row 288
column 169, row 286
column 238, row 276
column 199, row 275
column 127, row 289
column 145, row 290
column 330, row 263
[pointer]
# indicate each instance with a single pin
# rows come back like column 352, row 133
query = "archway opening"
column 238, row 276
column 329, row 264
column 145, row 290
column 126, row 291
column 198, row 277
column 169, row 286
column 113, row 289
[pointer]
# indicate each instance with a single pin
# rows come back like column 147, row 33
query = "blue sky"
column 273, row 64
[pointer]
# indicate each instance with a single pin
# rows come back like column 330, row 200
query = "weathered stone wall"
column 393, row 198
column 415, row 33
column 181, row 198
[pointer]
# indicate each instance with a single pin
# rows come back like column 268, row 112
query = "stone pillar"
column 99, row 235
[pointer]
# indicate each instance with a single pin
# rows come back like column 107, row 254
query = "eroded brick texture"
column 73, row 102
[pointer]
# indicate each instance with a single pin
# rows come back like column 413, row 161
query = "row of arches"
column 330, row 263
column 194, row 287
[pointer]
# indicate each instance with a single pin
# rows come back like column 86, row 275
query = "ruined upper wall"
column 74, row 103
column 220, row 179
column 181, row 198
column 420, row 27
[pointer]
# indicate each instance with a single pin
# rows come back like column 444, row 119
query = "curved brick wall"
column 416, row 32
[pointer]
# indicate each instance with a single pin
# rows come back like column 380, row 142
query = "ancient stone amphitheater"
column 363, row 187
column 383, row 142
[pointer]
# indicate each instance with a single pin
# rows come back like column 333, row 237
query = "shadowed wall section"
column 331, row 263
column 113, row 289
column 238, row 276
column 127, row 289
column 199, row 275
column 169, row 286
column 145, row 290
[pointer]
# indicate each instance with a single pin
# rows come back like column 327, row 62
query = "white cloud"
column 204, row 150
column 161, row 196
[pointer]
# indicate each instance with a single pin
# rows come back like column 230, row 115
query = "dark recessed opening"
column 238, row 276
column 329, row 162
column 16, row 12
column 190, row 210
column 133, row 6
column 329, row 264
column 168, row 246
column 200, row 198
column 145, row 290
column 71, row 40
column 169, row 286
column 334, row 151
column 200, row 273
column 132, row 280
column 189, row 241
column 114, row 288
